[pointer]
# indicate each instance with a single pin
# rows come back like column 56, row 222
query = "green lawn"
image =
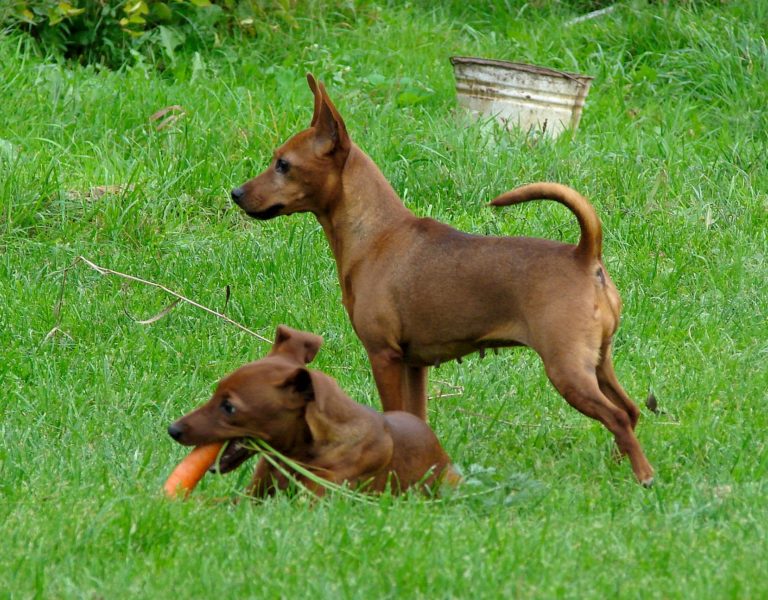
column 671, row 150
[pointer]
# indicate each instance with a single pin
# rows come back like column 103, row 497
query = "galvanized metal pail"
column 519, row 95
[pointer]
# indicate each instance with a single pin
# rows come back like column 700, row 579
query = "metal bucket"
column 519, row 95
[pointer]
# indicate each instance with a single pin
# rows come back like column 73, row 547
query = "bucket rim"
column 518, row 66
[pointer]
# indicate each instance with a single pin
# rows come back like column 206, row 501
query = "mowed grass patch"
column 670, row 151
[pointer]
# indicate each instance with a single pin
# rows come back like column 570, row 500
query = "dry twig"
column 179, row 298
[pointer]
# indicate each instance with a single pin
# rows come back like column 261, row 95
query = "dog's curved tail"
column 590, row 245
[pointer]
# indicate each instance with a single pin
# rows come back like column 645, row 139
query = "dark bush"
column 106, row 31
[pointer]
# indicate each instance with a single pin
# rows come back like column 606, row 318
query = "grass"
column 670, row 150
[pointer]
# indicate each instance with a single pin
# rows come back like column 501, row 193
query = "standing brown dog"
column 303, row 414
column 419, row 292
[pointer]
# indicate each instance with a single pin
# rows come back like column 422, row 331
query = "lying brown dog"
column 419, row 292
column 305, row 416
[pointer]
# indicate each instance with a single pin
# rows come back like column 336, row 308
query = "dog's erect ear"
column 300, row 383
column 318, row 98
column 300, row 345
column 330, row 132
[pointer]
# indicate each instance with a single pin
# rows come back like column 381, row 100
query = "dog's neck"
column 295, row 441
column 334, row 419
column 365, row 207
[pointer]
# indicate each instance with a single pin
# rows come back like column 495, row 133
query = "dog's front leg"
column 416, row 391
column 390, row 375
column 401, row 387
column 266, row 480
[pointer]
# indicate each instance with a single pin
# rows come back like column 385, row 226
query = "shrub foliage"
column 106, row 31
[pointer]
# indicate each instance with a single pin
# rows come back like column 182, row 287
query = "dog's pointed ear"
column 318, row 98
column 299, row 384
column 300, row 345
column 330, row 131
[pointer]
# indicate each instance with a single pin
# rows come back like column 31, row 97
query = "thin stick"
column 532, row 425
column 157, row 317
column 105, row 271
column 591, row 15
column 490, row 418
column 459, row 388
column 446, row 395
column 513, row 424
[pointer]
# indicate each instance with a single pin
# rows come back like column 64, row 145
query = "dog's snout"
column 237, row 195
column 175, row 430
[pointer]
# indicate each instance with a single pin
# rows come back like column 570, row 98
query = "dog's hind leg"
column 610, row 386
column 578, row 384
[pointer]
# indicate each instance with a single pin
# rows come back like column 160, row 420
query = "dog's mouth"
column 267, row 213
column 234, row 455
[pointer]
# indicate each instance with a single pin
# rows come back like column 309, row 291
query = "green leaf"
column 375, row 79
column 170, row 39
column 647, row 73
column 411, row 96
column 161, row 12
column 67, row 10
column 27, row 15
column 198, row 67
column 138, row 6
column 7, row 150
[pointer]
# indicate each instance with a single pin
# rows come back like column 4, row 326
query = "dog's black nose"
column 237, row 195
column 175, row 431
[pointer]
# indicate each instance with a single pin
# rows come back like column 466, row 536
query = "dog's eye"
column 227, row 407
column 282, row 165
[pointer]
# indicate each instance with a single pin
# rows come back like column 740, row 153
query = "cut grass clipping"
column 193, row 467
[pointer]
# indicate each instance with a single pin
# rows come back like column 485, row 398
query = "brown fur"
column 420, row 293
column 304, row 415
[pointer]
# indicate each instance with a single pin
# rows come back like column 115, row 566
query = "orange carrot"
column 190, row 471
